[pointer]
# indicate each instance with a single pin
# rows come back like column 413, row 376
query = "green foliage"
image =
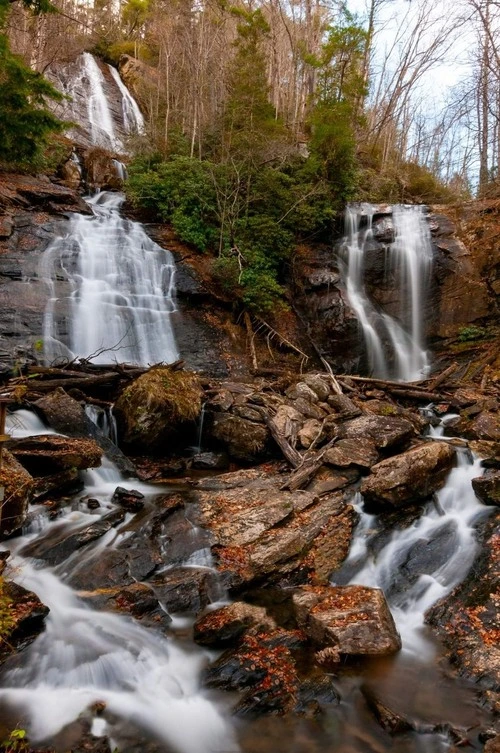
column 471, row 333
column 16, row 742
column 26, row 123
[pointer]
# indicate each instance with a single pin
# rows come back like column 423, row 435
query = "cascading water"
column 119, row 294
column 395, row 346
column 84, row 656
column 101, row 122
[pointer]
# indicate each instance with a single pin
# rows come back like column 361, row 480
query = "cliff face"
column 462, row 291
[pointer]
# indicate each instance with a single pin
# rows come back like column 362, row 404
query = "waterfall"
column 98, row 102
column 394, row 344
column 111, row 290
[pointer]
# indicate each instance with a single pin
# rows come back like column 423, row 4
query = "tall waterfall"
column 395, row 345
column 111, row 290
column 98, row 101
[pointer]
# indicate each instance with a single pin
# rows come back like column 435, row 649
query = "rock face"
column 18, row 487
column 352, row 620
column 409, row 477
column 157, row 407
column 460, row 289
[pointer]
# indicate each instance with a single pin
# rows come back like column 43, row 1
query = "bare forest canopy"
column 374, row 75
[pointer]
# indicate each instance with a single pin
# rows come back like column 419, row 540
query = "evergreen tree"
column 26, row 122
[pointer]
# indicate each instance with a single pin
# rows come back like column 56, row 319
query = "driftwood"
column 40, row 385
column 290, row 453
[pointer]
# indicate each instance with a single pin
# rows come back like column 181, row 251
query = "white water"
column 121, row 290
column 395, row 347
column 88, row 103
column 104, row 419
column 454, row 515
column 84, row 657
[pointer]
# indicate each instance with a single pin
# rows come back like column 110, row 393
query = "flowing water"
column 102, row 107
column 111, row 290
column 395, row 345
column 150, row 681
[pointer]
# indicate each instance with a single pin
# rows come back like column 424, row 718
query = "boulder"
column 225, row 625
column 353, row 620
column 263, row 532
column 137, row 600
column 302, row 390
column 485, row 426
column 157, row 408
column 244, row 440
column 488, row 451
column 264, row 664
column 210, row 461
column 130, row 499
column 186, row 589
column 45, row 454
column 410, row 477
column 319, row 385
column 347, row 452
column 487, row 487
column 386, row 432
column 24, row 620
column 17, row 486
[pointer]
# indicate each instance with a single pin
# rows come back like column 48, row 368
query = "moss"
column 156, row 405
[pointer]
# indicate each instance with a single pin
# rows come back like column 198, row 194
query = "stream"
column 150, row 681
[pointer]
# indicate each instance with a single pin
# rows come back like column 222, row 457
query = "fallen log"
column 39, row 385
column 442, row 377
column 433, row 397
column 290, row 453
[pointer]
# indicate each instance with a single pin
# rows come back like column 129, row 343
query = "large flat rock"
column 353, row 620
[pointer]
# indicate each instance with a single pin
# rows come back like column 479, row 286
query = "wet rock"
column 347, row 452
column 488, row 451
column 48, row 453
column 354, row 620
column 264, row 664
column 108, row 570
column 158, row 407
column 18, row 486
column 467, row 620
column 67, row 416
column 387, row 432
column 137, row 600
column 407, row 478
column 389, row 719
column 93, row 504
column 186, row 589
column 57, row 484
column 130, row 499
column 225, row 625
column 25, row 619
column 210, row 461
column 244, row 440
column 70, row 173
column 314, row 693
column 485, row 426
column 54, row 549
column 487, row 487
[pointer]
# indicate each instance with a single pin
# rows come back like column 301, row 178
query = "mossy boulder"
column 158, row 409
